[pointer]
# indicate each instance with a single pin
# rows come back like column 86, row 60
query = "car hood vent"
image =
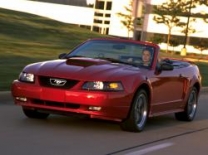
column 85, row 62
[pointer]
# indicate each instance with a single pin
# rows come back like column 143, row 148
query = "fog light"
column 24, row 99
column 95, row 108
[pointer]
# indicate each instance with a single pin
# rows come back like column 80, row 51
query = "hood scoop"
column 84, row 62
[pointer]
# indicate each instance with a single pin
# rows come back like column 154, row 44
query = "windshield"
column 116, row 51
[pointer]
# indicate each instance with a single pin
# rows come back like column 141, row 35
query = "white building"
column 102, row 16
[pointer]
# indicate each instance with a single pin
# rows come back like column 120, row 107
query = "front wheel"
column 191, row 107
column 34, row 113
column 138, row 113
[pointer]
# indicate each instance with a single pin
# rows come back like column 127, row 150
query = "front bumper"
column 96, row 104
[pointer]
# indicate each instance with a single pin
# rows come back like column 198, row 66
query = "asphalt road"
column 60, row 135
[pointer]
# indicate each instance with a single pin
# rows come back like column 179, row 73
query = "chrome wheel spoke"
column 192, row 104
column 140, row 110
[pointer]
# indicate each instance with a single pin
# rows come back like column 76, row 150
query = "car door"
column 167, row 90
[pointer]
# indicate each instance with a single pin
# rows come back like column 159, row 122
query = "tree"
column 201, row 44
column 157, row 38
column 127, row 18
column 167, row 13
column 202, row 14
column 174, row 41
column 188, row 5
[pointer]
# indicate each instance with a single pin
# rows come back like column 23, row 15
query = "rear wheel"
column 34, row 113
column 138, row 113
column 191, row 107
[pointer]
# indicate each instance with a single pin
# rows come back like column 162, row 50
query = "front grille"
column 56, row 104
column 46, row 82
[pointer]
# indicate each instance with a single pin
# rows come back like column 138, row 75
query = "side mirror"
column 163, row 67
column 62, row 56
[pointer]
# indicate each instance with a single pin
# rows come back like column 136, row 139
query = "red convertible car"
column 113, row 79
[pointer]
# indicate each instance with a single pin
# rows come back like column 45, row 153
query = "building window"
column 109, row 5
column 106, row 22
column 97, row 21
column 98, row 14
column 100, row 5
column 96, row 29
column 108, row 15
column 107, row 30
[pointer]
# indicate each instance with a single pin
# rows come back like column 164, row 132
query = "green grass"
column 26, row 38
column 203, row 69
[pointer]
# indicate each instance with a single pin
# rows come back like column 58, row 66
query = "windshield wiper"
column 74, row 56
column 66, row 56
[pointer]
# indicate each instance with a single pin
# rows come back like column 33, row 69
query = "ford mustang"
column 112, row 79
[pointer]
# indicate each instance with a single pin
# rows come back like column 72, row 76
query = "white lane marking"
column 150, row 149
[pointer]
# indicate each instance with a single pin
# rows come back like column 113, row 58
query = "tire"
column 138, row 114
column 34, row 113
column 191, row 107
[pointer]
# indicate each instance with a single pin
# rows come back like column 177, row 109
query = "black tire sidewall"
column 132, row 113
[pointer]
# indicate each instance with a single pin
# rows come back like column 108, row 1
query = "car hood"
column 82, row 68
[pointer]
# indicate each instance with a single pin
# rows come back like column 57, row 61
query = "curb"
column 6, row 96
column 204, row 90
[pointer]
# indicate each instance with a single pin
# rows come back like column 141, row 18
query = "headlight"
column 105, row 86
column 27, row 77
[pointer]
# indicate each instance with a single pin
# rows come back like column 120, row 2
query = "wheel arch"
column 128, row 123
column 197, row 86
column 196, row 80
column 145, row 87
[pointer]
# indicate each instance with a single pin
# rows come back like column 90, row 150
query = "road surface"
column 60, row 135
